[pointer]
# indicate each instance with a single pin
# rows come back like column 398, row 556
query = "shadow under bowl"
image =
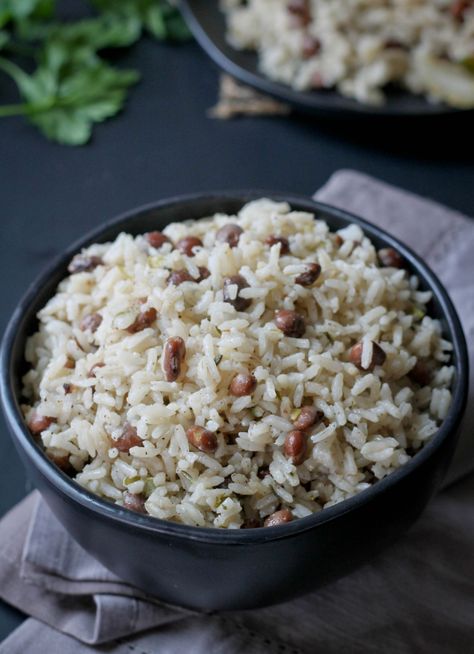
column 211, row 569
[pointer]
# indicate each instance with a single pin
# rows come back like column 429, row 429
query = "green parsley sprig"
column 72, row 85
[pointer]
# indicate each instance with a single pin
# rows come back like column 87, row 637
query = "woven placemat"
column 236, row 99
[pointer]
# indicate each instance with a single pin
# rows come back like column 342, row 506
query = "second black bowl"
column 207, row 22
column 211, row 569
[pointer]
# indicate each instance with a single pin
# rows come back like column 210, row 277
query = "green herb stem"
column 13, row 71
column 8, row 110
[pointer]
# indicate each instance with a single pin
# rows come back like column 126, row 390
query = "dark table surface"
column 164, row 144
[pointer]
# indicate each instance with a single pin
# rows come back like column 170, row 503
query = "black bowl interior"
column 157, row 216
column 207, row 22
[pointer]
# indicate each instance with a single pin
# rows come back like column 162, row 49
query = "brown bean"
column 202, row 438
column 394, row 44
column 317, row 82
column 299, row 11
column 134, row 502
column 284, row 243
column 290, row 323
column 311, row 46
column 91, row 322
column 243, row 384
column 458, row 9
column 84, row 263
column 143, row 320
column 308, row 416
column 390, row 258
column 178, row 277
column 187, row 244
column 420, row 373
column 239, row 303
column 297, row 6
column 203, row 273
column 94, row 368
column 278, row 518
column 355, row 355
column 129, row 438
column 310, row 275
column 295, row 446
column 377, row 359
column 70, row 363
column 174, row 353
column 62, row 461
column 157, row 239
column 38, row 423
column 230, row 234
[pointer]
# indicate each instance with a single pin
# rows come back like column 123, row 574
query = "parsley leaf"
column 161, row 19
column 93, row 34
column 18, row 10
column 89, row 96
column 88, row 36
column 69, row 91
column 73, row 87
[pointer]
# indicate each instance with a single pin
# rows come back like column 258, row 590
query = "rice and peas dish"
column 236, row 371
column 360, row 46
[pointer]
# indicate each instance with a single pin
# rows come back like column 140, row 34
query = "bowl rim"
column 146, row 523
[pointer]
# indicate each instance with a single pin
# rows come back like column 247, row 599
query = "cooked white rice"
column 358, row 47
column 373, row 421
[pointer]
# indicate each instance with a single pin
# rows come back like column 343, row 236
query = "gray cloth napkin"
column 417, row 596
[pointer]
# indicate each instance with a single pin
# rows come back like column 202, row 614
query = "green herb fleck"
column 468, row 64
column 131, row 480
column 149, row 486
column 418, row 313
column 155, row 262
column 295, row 414
column 218, row 359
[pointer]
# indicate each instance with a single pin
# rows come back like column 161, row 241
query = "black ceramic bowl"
column 211, row 569
column 207, row 23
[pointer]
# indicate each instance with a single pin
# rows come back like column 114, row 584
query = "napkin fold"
column 236, row 99
column 416, row 596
